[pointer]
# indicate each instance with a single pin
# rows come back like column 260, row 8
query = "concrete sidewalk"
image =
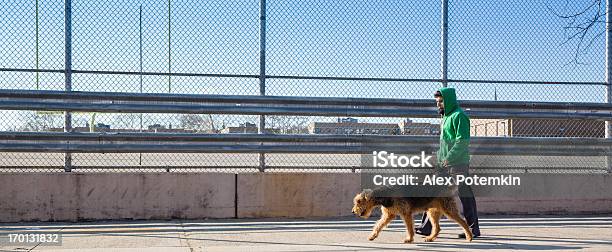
column 505, row 233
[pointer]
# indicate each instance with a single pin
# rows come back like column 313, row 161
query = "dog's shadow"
column 484, row 243
column 497, row 245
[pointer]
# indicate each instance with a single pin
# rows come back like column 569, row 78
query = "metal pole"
column 140, row 61
column 444, row 46
column 262, row 74
column 169, row 52
column 140, row 54
column 608, row 128
column 140, row 47
column 37, row 74
column 68, row 74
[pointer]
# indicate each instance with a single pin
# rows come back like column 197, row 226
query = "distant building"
column 156, row 127
column 242, row 128
column 537, row 128
column 490, row 127
column 408, row 127
column 162, row 128
column 101, row 127
column 347, row 120
column 352, row 126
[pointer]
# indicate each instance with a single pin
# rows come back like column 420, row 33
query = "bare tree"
column 288, row 124
column 79, row 121
column 200, row 123
column 41, row 121
column 127, row 121
column 583, row 26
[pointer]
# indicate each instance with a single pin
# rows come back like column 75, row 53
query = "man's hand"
column 445, row 163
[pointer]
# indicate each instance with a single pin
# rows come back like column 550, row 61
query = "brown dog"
column 405, row 207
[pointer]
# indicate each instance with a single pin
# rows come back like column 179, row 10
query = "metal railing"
column 275, row 105
column 270, row 143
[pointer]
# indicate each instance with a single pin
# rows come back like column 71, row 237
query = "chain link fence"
column 497, row 51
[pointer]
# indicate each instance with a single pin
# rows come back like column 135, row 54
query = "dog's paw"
column 408, row 240
column 372, row 237
column 429, row 239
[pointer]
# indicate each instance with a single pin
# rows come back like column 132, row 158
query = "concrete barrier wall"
column 73, row 197
column 551, row 193
column 296, row 195
column 312, row 195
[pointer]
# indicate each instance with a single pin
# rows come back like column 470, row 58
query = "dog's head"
column 363, row 204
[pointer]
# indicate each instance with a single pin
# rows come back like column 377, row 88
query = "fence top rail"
column 254, row 99
column 304, row 77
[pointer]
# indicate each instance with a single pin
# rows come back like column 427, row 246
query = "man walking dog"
column 453, row 156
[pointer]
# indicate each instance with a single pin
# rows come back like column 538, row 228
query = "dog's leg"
column 451, row 211
column 385, row 219
column 434, row 217
column 454, row 215
column 407, row 217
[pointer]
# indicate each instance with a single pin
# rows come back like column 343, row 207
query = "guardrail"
column 272, row 143
column 288, row 105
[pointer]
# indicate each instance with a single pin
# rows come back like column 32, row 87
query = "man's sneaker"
column 474, row 235
column 420, row 231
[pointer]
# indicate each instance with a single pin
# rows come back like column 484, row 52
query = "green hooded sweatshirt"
column 455, row 134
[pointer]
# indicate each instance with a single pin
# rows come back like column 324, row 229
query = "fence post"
column 262, row 74
column 68, row 74
column 608, row 128
column 169, row 48
column 140, row 69
column 444, row 45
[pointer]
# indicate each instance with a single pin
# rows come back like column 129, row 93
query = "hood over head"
column 450, row 99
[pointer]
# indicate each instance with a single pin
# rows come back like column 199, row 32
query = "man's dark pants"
column 466, row 195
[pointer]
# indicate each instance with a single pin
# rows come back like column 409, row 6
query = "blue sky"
column 491, row 40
